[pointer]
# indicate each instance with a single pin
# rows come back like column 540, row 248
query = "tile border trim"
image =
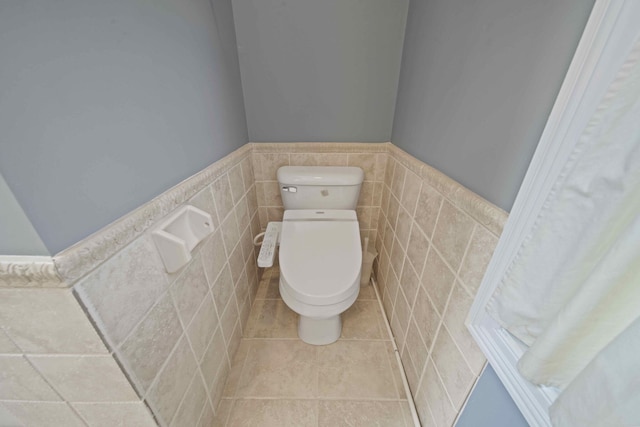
column 320, row 147
column 76, row 261
column 29, row 272
column 483, row 211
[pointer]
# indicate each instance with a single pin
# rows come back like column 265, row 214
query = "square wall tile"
column 230, row 233
column 411, row 192
column 115, row 414
column 222, row 412
column 437, row 279
column 208, row 418
column 397, row 182
column 213, row 256
column 417, row 249
column 365, row 161
column 166, row 393
column 318, row 159
column 47, row 321
column 266, row 165
column 450, row 364
column 215, row 355
column 242, row 214
column 389, row 171
column 192, row 404
column 270, row 193
column 124, row 288
column 366, row 193
column 6, row 345
column 426, row 317
column 203, row 200
column 427, row 209
column 189, row 289
column 44, row 414
column 247, row 172
column 432, row 398
column 85, row 378
column 229, row 319
column 381, row 166
column 236, row 183
column 479, row 253
column 222, row 196
column 148, row 347
column 409, row 282
column 452, row 234
column 20, row 381
column 202, row 326
column 222, row 289
column 454, row 318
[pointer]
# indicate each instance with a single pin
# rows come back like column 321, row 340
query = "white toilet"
column 320, row 254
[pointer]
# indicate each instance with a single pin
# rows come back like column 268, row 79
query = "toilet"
column 320, row 254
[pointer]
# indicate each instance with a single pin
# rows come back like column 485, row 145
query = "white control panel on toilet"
column 269, row 244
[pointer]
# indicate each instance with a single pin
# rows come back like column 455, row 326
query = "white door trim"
column 608, row 37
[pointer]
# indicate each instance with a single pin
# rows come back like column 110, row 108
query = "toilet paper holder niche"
column 177, row 235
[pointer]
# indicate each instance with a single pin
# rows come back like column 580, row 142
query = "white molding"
column 29, row 272
column 605, row 43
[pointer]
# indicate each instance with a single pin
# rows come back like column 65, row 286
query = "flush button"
column 324, row 193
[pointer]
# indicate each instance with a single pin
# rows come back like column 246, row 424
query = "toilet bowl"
column 320, row 261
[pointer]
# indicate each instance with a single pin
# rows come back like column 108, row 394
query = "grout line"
column 73, row 409
column 444, row 387
column 407, row 390
column 329, row 399
column 44, row 378
column 186, row 391
column 466, row 250
column 460, row 351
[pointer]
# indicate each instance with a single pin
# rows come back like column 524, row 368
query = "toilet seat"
column 320, row 256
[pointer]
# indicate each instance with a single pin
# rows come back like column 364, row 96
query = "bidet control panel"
column 269, row 244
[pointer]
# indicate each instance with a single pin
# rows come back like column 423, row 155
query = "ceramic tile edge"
column 76, row 261
column 29, row 272
column 483, row 211
column 320, row 147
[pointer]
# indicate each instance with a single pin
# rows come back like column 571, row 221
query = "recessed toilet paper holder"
column 176, row 236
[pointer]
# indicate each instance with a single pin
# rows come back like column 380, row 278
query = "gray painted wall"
column 106, row 104
column 477, row 84
column 17, row 235
column 490, row 405
column 320, row 70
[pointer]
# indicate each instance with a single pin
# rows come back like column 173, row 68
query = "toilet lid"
column 320, row 259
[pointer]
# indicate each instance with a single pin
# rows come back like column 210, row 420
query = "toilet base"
column 319, row 331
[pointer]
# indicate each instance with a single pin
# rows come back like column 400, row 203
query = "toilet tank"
column 320, row 187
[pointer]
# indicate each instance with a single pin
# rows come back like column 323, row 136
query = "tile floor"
column 277, row 380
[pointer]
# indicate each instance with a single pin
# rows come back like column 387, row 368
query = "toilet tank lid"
column 320, row 175
column 319, row 215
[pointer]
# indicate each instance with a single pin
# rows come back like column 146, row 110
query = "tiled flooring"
column 277, row 380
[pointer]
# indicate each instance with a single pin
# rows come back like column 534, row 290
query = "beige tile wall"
column 371, row 157
column 175, row 334
column 435, row 239
column 55, row 369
